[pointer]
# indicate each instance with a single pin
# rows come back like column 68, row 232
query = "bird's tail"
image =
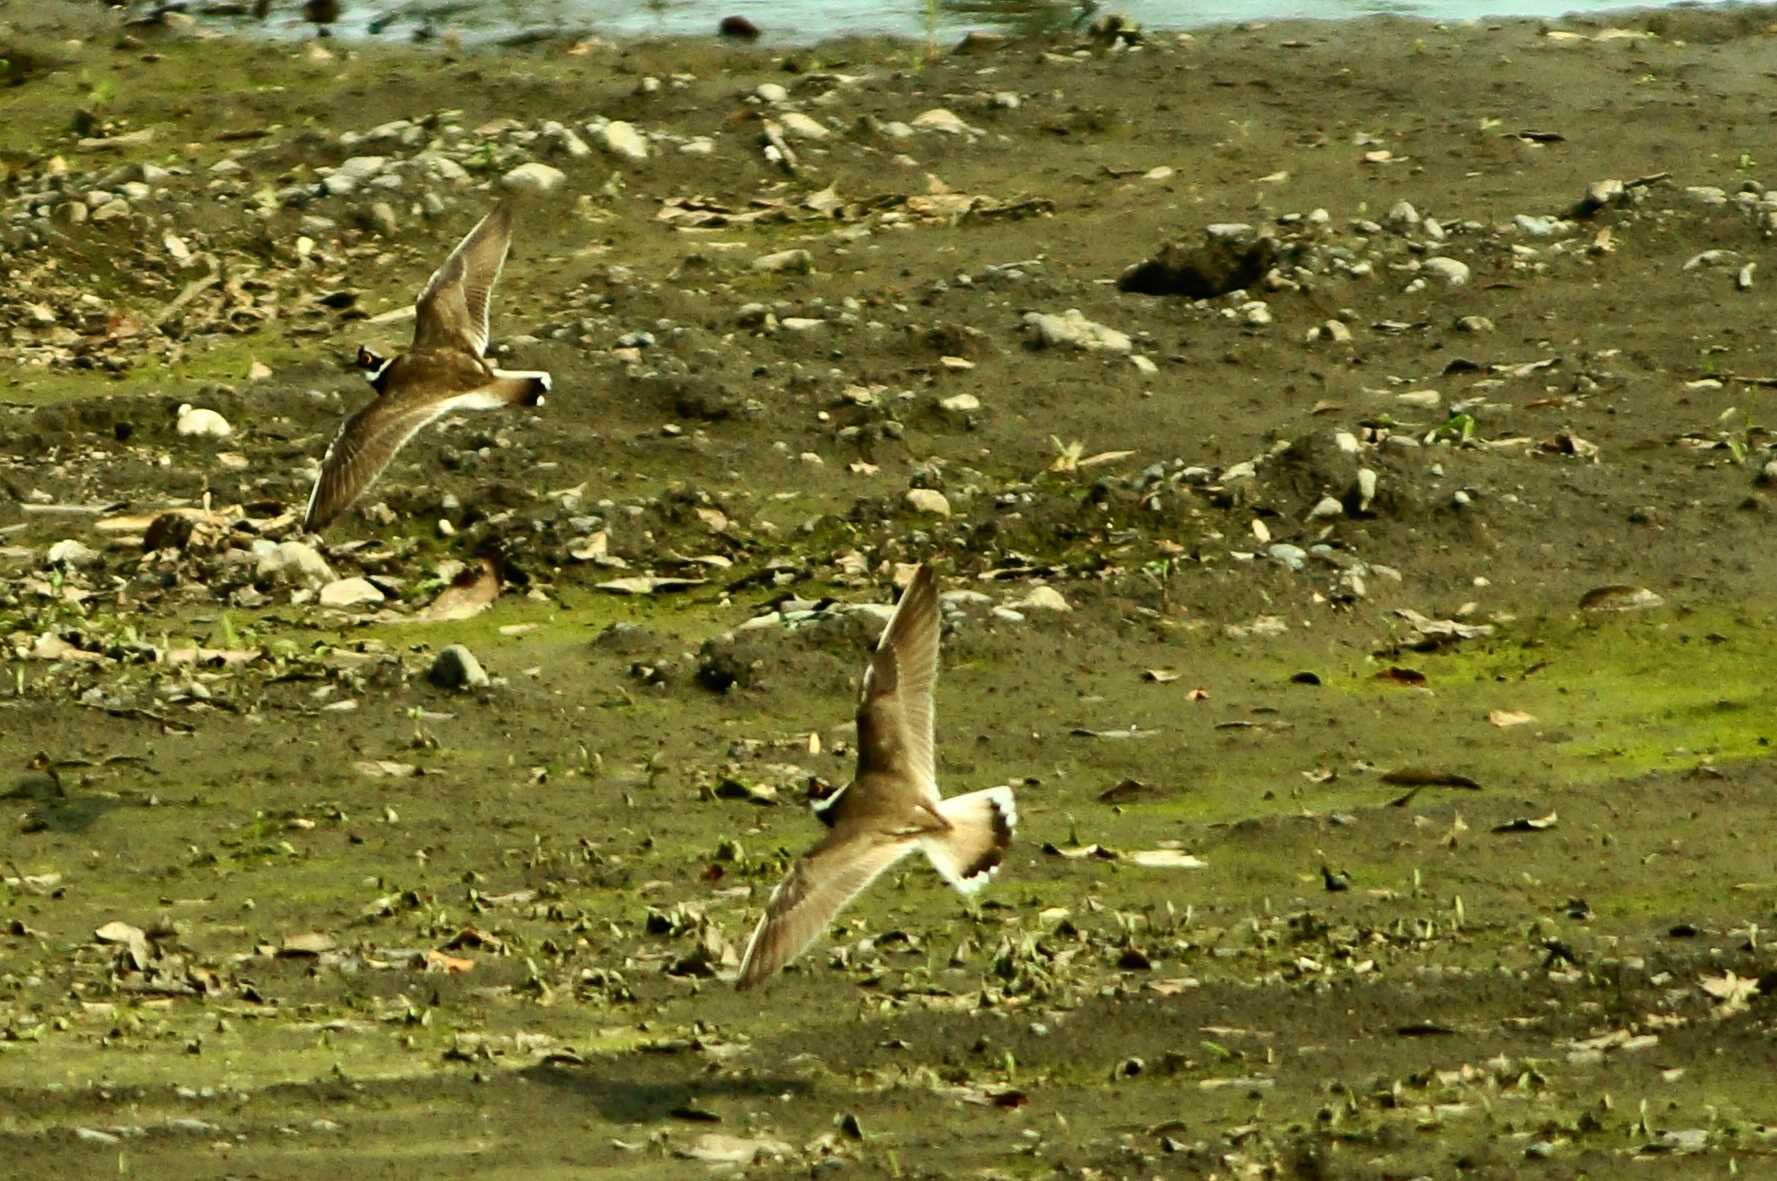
column 971, row 849
column 520, row 387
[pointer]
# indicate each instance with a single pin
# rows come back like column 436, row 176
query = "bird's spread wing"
column 817, row 887
column 895, row 712
column 365, row 445
column 452, row 311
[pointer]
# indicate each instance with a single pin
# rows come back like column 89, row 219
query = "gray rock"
column 291, row 562
column 940, row 119
column 623, row 141
column 1071, row 329
column 1540, row 227
column 800, row 126
column 928, row 500
column 349, row 592
column 798, row 262
column 382, row 216
column 352, row 173
column 1293, row 556
column 70, row 552
column 457, row 668
column 1333, row 330
column 442, row 167
column 535, row 178
column 196, row 421
column 1600, row 194
column 1402, row 216
column 1453, row 271
column 1043, row 598
column 565, row 140
column 1365, row 488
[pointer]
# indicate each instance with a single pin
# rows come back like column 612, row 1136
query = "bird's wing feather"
column 818, row 887
column 365, row 446
column 895, row 711
column 452, row 312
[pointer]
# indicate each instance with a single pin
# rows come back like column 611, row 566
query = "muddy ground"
column 275, row 904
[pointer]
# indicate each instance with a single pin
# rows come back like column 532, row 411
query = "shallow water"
column 805, row 21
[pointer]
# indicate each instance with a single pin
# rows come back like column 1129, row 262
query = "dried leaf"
column 1734, row 992
column 1620, row 598
column 1504, row 718
column 1527, row 824
column 649, row 585
column 1112, row 735
column 470, row 593
column 1166, row 859
column 305, row 944
column 1163, row 676
column 718, row 1148
column 437, row 961
column 379, row 768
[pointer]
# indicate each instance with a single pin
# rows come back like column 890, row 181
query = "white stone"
column 798, row 262
column 928, row 500
column 1043, row 598
column 770, row 92
column 442, row 167
column 624, row 141
column 800, row 126
column 536, row 178
column 572, row 144
column 353, row 173
column 291, row 561
column 1074, row 330
column 940, row 119
column 1453, row 271
column 1366, row 487
column 349, row 592
column 203, row 422
column 960, row 403
column 70, row 552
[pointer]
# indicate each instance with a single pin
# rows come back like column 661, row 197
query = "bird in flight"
column 892, row 805
column 444, row 370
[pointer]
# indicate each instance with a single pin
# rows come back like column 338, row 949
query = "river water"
column 808, row 21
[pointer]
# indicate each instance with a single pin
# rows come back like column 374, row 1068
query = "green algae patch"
column 1618, row 697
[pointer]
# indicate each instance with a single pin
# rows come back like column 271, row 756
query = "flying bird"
column 444, row 370
column 892, row 806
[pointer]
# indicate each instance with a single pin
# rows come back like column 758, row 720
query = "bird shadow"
column 628, row 1099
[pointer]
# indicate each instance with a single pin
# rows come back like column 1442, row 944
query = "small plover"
column 444, row 370
column 892, row 805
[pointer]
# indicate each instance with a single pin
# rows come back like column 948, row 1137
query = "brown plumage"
column 892, row 805
column 444, row 370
